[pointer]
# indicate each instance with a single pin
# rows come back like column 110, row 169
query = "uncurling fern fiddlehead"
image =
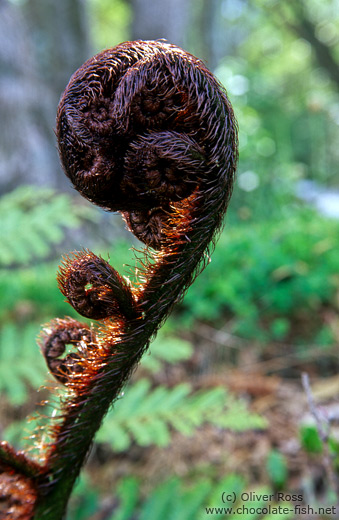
column 146, row 130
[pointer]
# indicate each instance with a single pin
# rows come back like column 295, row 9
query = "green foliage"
column 147, row 416
column 31, row 294
column 109, row 22
column 314, row 445
column 170, row 500
column 21, row 366
column 84, row 502
column 173, row 499
column 267, row 278
column 277, row 469
column 310, row 439
column 284, row 101
column 128, row 493
column 32, row 220
column 166, row 348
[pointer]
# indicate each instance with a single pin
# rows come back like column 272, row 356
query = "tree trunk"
column 167, row 19
column 41, row 44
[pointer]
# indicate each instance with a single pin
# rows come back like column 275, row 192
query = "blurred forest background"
column 219, row 403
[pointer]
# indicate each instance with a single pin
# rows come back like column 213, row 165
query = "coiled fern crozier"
column 146, row 130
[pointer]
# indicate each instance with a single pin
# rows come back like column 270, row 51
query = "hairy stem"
column 143, row 129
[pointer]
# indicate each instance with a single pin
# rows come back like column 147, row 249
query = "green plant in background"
column 110, row 22
column 148, row 416
column 20, row 367
column 174, row 499
column 277, row 469
column 33, row 221
column 310, row 439
column 281, row 276
column 285, row 100
column 38, row 219
column 312, row 443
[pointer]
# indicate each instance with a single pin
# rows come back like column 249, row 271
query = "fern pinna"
column 146, row 130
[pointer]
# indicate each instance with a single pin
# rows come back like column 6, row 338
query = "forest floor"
column 270, row 380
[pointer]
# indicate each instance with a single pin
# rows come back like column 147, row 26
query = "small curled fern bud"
column 94, row 288
column 53, row 341
column 144, row 129
column 18, row 488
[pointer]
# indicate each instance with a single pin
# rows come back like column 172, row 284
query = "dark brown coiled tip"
column 142, row 126
column 162, row 167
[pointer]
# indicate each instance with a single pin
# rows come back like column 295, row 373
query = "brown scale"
column 98, row 116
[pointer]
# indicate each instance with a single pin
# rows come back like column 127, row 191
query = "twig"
column 323, row 427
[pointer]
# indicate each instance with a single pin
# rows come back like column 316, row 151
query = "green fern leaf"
column 231, row 484
column 20, row 362
column 148, row 415
column 113, row 430
column 166, row 348
column 132, row 398
column 12, row 386
column 173, row 500
column 191, row 501
column 32, row 220
column 128, row 493
column 161, row 501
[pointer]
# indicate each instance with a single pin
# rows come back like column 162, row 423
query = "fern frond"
column 32, row 220
column 166, row 348
column 173, row 500
column 20, row 367
column 148, row 415
column 128, row 493
column 161, row 500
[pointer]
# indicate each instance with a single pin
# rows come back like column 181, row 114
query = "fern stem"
column 144, row 129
